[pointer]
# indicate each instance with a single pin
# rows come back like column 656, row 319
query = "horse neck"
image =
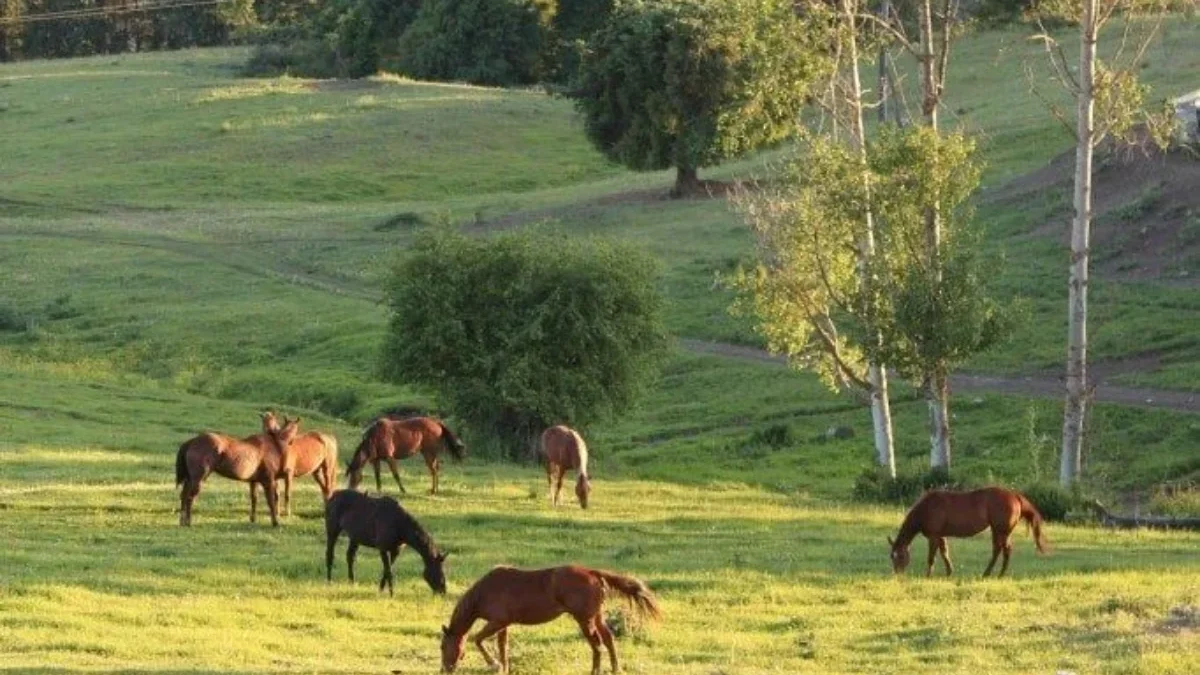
column 465, row 612
column 911, row 525
column 417, row 538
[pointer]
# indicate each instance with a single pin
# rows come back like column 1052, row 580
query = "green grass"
column 180, row 248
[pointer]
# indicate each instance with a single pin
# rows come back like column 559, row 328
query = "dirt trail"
column 1019, row 385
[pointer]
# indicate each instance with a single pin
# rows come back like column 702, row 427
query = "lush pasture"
column 180, row 248
column 96, row 575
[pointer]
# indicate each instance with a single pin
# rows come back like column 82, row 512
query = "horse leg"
column 187, row 497
column 385, row 556
column 272, row 491
column 558, row 481
column 351, row 551
column 1007, row 551
column 935, row 543
column 997, row 547
column 588, row 626
column 395, row 474
column 378, row 484
column 253, row 499
column 607, row 636
column 944, row 549
column 488, row 631
column 434, row 466
column 502, row 643
column 550, row 482
column 331, row 537
column 287, row 494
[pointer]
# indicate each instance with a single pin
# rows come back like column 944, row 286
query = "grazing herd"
column 506, row 595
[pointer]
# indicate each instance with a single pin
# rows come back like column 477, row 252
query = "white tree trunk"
column 1073, row 416
column 881, row 413
column 938, row 399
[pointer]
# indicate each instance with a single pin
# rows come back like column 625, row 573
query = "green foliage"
column 1182, row 502
column 1054, row 501
column 489, row 42
column 689, row 84
column 523, row 331
column 875, row 485
column 307, row 57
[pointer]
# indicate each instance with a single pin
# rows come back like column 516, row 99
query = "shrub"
column 1053, row 501
column 525, row 330
column 875, row 485
column 303, row 58
column 488, row 42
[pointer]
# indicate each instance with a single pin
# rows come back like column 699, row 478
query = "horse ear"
column 445, row 630
column 441, row 557
column 890, row 542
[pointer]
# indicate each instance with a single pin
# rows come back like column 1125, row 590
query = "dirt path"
column 1017, row 385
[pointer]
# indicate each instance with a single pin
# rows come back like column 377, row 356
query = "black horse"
column 380, row 523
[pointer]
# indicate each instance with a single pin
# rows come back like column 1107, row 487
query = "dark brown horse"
column 389, row 440
column 255, row 459
column 943, row 513
column 379, row 523
column 507, row 595
column 313, row 452
column 562, row 449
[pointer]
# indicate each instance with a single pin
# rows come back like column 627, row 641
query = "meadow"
column 180, row 248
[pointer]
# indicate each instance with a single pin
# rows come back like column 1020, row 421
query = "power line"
column 90, row 12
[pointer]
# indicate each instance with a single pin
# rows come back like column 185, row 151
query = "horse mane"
column 582, row 449
column 416, row 536
column 464, row 610
column 912, row 521
column 357, row 459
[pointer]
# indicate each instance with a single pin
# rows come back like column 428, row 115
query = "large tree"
column 690, row 83
column 521, row 331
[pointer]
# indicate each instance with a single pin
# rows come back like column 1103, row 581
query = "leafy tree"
column 691, row 83
column 368, row 33
column 490, row 42
column 521, row 331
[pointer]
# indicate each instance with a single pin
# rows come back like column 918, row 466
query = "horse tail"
column 181, row 470
column 331, row 457
column 456, row 446
column 1030, row 515
column 633, row 589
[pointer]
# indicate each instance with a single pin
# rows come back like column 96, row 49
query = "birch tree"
column 1109, row 101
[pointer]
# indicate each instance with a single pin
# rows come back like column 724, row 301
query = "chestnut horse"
column 391, row 439
column 943, row 513
column 382, row 524
column 507, row 595
column 255, row 459
column 314, row 453
column 562, row 449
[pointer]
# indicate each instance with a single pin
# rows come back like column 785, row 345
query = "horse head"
column 900, row 557
column 434, row 575
column 270, row 423
column 452, row 649
column 287, row 433
column 583, row 488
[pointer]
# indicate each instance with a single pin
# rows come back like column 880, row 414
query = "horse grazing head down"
column 900, row 557
column 583, row 488
column 452, row 649
column 434, row 575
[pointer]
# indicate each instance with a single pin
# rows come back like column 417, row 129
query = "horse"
column 389, row 439
column 562, row 449
column 944, row 513
column 255, row 459
column 507, row 595
column 314, row 453
column 380, row 523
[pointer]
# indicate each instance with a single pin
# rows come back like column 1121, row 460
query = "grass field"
column 180, row 248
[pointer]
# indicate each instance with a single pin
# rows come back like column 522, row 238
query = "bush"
column 1053, row 501
column 690, row 83
column 521, row 331
column 874, row 485
column 303, row 58
column 488, row 42
column 1178, row 502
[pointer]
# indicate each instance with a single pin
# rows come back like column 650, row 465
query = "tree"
column 489, row 42
column 521, row 331
column 1112, row 91
column 815, row 291
column 691, row 83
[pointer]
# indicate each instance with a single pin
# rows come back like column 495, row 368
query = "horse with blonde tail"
column 507, row 595
column 562, row 449
column 944, row 513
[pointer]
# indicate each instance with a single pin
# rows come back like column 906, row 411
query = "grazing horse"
column 314, row 453
column 563, row 449
column 507, row 595
column 389, row 440
column 380, row 523
column 943, row 513
column 255, row 459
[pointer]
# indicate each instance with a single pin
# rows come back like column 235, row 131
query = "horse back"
column 563, row 446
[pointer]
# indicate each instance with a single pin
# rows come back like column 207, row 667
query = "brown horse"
column 314, row 453
column 562, row 449
column 382, row 524
column 389, row 440
column 255, row 459
column 943, row 513
column 507, row 595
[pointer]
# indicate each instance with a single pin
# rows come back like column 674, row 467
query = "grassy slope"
column 145, row 295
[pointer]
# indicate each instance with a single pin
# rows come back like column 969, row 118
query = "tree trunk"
column 881, row 414
column 1073, row 415
column 938, row 400
column 885, row 75
column 686, row 182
